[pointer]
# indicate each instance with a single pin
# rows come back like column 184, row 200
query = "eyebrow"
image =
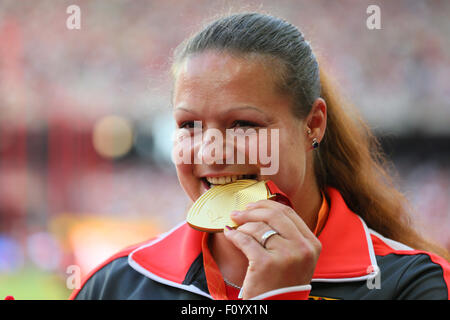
column 225, row 112
column 245, row 107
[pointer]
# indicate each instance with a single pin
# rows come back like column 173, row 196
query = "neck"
column 231, row 261
column 307, row 204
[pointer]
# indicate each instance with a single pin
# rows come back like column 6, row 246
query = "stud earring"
column 315, row 144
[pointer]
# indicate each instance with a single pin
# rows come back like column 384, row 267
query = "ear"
column 316, row 121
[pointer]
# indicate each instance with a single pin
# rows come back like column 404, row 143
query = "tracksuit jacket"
column 355, row 263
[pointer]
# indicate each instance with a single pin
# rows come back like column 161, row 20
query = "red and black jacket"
column 355, row 263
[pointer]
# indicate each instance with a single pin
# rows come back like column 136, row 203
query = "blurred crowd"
column 85, row 120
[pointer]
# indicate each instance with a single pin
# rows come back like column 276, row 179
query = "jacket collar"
column 347, row 251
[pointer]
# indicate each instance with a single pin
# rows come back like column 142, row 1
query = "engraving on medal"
column 211, row 211
column 213, row 216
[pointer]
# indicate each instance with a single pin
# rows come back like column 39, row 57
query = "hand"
column 288, row 258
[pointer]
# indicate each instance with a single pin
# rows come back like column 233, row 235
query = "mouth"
column 210, row 182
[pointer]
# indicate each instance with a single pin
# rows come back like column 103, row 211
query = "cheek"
column 187, row 181
column 182, row 159
column 185, row 177
column 269, row 150
column 261, row 148
column 184, row 170
column 241, row 148
column 291, row 175
column 292, row 153
column 292, row 159
column 181, row 148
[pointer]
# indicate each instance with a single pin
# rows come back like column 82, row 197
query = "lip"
column 206, row 184
column 212, row 174
column 225, row 174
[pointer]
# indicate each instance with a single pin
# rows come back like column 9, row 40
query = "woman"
column 346, row 234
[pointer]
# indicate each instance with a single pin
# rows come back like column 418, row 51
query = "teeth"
column 224, row 180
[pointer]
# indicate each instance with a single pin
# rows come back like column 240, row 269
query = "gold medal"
column 211, row 211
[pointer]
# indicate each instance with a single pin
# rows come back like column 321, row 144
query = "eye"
column 186, row 125
column 244, row 124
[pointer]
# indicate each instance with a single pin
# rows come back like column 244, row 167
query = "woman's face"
column 229, row 93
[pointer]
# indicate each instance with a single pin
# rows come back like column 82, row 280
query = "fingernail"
column 235, row 213
column 250, row 205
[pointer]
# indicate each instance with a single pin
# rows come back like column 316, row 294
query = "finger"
column 246, row 243
column 288, row 212
column 257, row 231
column 273, row 218
column 293, row 216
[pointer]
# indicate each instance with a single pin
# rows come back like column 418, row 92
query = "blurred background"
column 85, row 121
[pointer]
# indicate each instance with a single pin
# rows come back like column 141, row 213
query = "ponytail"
column 351, row 160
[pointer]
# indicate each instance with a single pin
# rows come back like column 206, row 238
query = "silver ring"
column 266, row 237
